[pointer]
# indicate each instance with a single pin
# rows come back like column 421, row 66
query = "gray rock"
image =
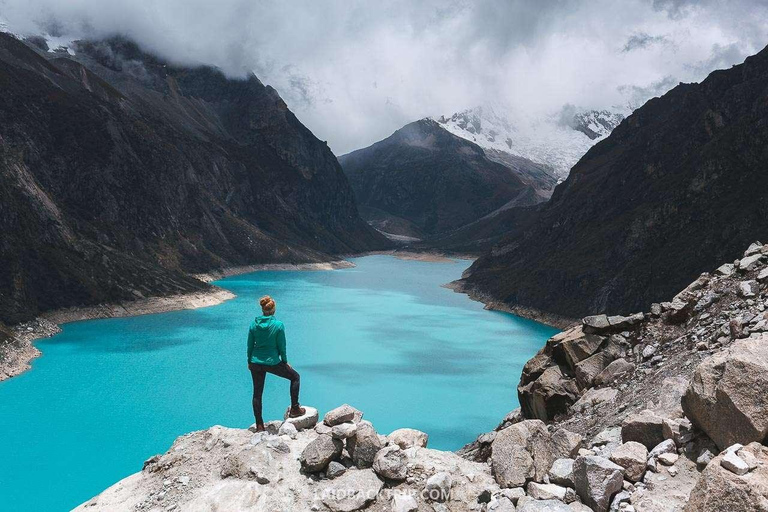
column 288, row 429
column 319, row 453
column 648, row 351
column 521, row 452
column 679, row 430
column 544, row 506
column 351, row 491
column 608, row 436
column 438, row 487
column 596, row 323
column 308, row 420
column 666, row 446
column 343, row 430
column 500, row 504
column 750, row 262
column 720, row 490
column 513, row 494
column 391, row 463
column 725, row 270
column 591, row 367
column 668, row 459
column 748, row 289
column 597, row 479
column 561, row 472
column 762, row 276
column 364, row 445
column 614, row 372
column 565, row 443
column 631, row 456
column 548, row 395
column 335, row 469
column 754, row 248
column 539, row 491
column 322, row 428
column 733, row 463
column 408, row 438
column 704, row 458
column 402, row 502
column 342, row 414
column 645, row 427
column 726, row 396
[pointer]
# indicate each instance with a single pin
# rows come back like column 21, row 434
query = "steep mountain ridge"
column 423, row 181
column 677, row 187
column 123, row 173
column 555, row 142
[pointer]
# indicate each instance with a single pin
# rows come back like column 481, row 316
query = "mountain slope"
column 677, row 188
column 119, row 178
column 555, row 142
column 423, row 181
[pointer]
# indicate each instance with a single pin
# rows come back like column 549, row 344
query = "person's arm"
column 281, row 344
column 250, row 344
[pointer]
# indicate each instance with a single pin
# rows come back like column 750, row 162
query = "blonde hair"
column 267, row 305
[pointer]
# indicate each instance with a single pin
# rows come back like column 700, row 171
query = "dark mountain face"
column 120, row 174
column 680, row 186
column 423, row 181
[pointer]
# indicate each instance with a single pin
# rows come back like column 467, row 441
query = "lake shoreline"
column 20, row 351
column 542, row 317
column 18, row 358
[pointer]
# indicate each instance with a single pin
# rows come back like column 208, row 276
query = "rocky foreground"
column 658, row 411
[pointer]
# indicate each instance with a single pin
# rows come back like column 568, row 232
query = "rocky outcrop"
column 720, row 489
column 676, row 189
column 142, row 173
column 233, row 469
column 689, row 384
column 732, row 384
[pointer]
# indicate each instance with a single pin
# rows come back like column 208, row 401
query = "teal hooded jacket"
column 266, row 341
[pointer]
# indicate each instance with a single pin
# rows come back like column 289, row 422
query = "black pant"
column 259, row 373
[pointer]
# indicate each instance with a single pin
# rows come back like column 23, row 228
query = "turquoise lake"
column 384, row 337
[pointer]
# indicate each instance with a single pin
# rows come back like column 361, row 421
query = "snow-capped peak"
column 557, row 140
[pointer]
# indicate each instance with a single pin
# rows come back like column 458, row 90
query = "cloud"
column 642, row 40
column 356, row 71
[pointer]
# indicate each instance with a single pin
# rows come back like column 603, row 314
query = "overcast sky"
column 356, row 70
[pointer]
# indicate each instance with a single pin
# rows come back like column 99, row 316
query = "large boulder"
column 561, row 472
column 597, row 479
column 614, row 372
column 408, row 438
column 721, row 490
column 342, row 414
column 631, row 456
column 391, row 463
column 521, row 452
column 351, row 491
column 727, row 396
column 320, row 452
column 549, row 395
column 591, row 367
column 364, row 445
column 565, row 443
column 573, row 345
column 645, row 427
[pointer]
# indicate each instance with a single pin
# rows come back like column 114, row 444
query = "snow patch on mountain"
column 558, row 140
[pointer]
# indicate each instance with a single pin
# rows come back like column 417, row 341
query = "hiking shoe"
column 260, row 428
column 296, row 411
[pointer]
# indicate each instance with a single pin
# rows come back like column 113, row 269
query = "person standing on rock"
column 266, row 354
